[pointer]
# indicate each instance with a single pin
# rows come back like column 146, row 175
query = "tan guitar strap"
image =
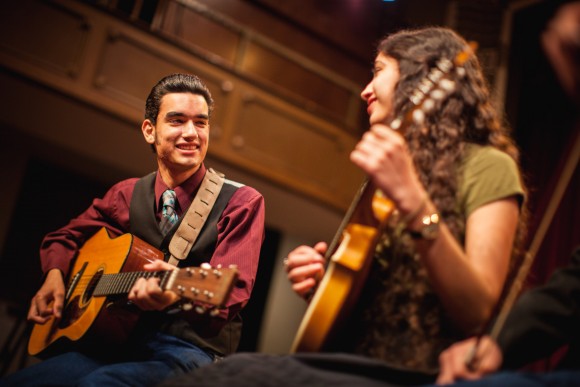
column 195, row 217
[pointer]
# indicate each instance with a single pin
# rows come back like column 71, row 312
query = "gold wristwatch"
column 429, row 228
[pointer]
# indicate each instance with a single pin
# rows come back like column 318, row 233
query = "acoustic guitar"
column 103, row 273
column 350, row 254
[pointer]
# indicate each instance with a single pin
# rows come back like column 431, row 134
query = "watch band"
column 429, row 228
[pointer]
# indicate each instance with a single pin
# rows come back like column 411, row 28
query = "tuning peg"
column 444, row 65
column 438, row 94
column 417, row 97
column 214, row 312
column 435, row 75
column 180, row 289
column 396, row 123
column 428, row 105
column 200, row 309
column 425, row 86
column 194, row 291
column 418, row 116
column 186, row 307
column 447, row 85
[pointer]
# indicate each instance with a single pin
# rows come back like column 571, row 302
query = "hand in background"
column 561, row 42
column 453, row 364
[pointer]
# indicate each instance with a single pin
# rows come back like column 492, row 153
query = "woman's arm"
column 468, row 279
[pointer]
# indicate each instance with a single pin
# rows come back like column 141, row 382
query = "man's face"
column 181, row 134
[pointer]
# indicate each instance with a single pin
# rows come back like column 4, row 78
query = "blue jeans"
column 165, row 356
column 525, row 379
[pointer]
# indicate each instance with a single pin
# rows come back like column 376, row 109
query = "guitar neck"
column 121, row 283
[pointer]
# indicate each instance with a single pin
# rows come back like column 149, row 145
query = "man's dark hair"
column 175, row 83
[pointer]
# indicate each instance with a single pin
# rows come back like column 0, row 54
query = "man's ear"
column 148, row 130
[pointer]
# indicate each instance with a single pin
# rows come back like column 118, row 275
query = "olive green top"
column 400, row 319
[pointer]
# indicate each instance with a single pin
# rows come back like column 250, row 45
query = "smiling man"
column 162, row 344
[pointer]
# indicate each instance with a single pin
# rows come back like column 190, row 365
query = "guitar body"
column 337, row 292
column 345, row 275
column 84, row 313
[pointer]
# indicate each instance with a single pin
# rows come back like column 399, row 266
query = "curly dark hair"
column 465, row 116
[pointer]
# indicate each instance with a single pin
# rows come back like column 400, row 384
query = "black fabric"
column 308, row 369
column 145, row 226
column 545, row 319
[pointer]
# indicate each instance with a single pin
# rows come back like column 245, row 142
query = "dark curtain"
column 547, row 128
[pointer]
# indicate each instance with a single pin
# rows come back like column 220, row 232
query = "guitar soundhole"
column 70, row 313
column 76, row 306
column 88, row 293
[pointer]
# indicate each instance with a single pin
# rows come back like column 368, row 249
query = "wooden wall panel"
column 110, row 65
column 275, row 69
column 305, row 154
column 125, row 53
column 201, row 32
column 248, row 50
column 48, row 36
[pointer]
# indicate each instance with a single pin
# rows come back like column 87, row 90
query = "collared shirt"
column 240, row 230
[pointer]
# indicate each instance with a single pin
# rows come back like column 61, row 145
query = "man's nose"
column 189, row 130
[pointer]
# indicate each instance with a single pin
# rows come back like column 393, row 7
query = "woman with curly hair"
column 440, row 265
column 427, row 290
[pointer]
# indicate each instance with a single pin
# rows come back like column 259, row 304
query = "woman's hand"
column 305, row 267
column 383, row 155
column 147, row 294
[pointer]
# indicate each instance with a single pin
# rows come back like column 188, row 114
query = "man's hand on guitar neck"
column 49, row 299
column 305, row 267
column 146, row 293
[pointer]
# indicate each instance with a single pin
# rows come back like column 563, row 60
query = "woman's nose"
column 366, row 93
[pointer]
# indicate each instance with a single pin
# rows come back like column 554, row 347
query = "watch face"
column 429, row 230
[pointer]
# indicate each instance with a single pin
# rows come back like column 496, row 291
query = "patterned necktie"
column 169, row 216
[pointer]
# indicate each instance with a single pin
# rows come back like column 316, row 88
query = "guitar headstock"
column 439, row 83
column 205, row 285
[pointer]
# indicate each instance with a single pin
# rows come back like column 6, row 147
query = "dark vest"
column 188, row 326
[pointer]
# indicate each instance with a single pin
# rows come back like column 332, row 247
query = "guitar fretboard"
column 121, row 283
